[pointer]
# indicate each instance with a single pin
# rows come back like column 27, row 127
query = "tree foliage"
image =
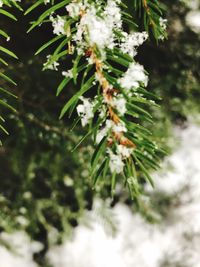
column 42, row 181
column 5, row 52
column 95, row 37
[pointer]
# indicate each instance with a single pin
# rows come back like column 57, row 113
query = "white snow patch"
column 20, row 251
column 138, row 243
column 193, row 20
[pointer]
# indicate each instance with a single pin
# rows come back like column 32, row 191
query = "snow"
column 74, row 9
column 22, row 250
column 124, row 151
column 137, row 243
column 134, row 76
column 109, row 124
column 116, row 163
column 58, row 24
column 85, row 110
column 192, row 4
column 193, row 20
column 98, row 30
column 184, row 162
column 119, row 103
column 131, row 41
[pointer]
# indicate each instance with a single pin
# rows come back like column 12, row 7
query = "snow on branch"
column 102, row 39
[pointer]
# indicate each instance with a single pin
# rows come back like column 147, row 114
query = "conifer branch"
column 5, row 52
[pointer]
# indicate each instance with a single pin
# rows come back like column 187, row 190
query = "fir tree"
column 97, row 50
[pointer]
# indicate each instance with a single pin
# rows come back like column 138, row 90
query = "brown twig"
column 108, row 95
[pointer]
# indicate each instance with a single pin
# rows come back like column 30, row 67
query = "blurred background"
column 49, row 214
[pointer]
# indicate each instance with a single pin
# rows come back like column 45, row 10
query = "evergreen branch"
column 103, row 59
column 152, row 17
column 6, row 52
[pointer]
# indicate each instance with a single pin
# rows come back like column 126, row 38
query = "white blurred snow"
column 22, row 250
column 138, row 243
column 193, row 20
